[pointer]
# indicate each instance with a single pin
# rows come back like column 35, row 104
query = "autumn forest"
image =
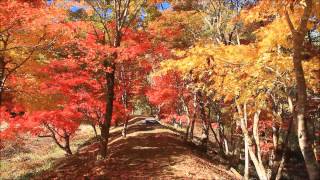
column 151, row 89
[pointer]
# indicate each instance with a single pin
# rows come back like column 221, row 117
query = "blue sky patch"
column 163, row 6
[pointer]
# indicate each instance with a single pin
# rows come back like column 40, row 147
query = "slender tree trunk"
column 65, row 136
column 186, row 136
column 256, row 134
column 124, row 101
column 221, row 136
column 258, row 166
column 261, row 171
column 109, row 108
column 246, row 147
column 205, row 128
column 94, row 129
column 278, row 170
column 2, row 76
column 275, row 138
column 217, row 140
column 67, row 145
column 125, row 127
column 110, row 76
column 68, row 151
column 66, row 148
column 246, row 161
column 281, row 166
column 103, row 141
column 116, row 123
column 238, row 38
column 192, row 126
column 194, row 115
column 186, row 109
column 226, row 147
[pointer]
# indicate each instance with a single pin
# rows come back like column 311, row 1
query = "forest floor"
column 27, row 156
column 149, row 151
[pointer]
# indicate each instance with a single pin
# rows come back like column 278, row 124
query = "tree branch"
column 292, row 29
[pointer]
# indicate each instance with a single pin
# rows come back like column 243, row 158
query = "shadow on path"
column 148, row 151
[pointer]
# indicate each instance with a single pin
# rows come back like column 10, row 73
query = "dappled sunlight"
column 140, row 147
column 164, row 89
column 148, row 151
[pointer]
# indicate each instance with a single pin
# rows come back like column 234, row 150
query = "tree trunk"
column 67, row 145
column 110, row 77
column 124, row 101
column 256, row 120
column 116, row 123
column 192, row 126
column 221, row 136
column 275, row 139
column 280, row 168
column 277, row 173
column 205, row 127
column 125, row 127
column 217, row 140
column 65, row 136
column 246, row 161
column 194, row 116
column 2, row 77
column 186, row 136
column 303, row 137
column 261, row 171
column 187, row 112
column 226, row 147
column 246, row 147
column 109, row 108
column 238, row 38
column 258, row 166
column 103, row 141
column 68, row 151
column 94, row 129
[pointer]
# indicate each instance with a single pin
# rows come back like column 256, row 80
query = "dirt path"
column 147, row 152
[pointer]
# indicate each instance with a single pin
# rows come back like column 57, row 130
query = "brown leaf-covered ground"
column 149, row 151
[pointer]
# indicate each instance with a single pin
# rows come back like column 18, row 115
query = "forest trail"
column 149, row 151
